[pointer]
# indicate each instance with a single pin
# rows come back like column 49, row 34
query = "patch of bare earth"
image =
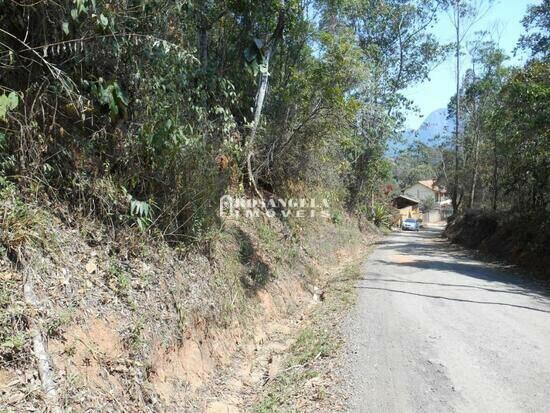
column 305, row 378
column 136, row 328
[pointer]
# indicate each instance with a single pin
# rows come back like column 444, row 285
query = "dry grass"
column 307, row 382
column 168, row 304
column 19, row 224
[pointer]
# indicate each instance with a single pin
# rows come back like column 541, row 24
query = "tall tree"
column 537, row 27
column 464, row 14
column 266, row 54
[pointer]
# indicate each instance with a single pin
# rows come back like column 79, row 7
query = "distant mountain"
column 435, row 125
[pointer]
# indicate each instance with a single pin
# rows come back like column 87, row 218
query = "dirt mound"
column 523, row 239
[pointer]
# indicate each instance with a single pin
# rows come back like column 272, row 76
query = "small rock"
column 91, row 267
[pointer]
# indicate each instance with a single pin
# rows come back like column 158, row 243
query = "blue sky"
column 503, row 20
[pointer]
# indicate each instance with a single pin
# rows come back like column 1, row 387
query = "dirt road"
column 435, row 330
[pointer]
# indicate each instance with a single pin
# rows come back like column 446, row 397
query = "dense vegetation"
column 144, row 112
column 132, row 117
column 500, row 158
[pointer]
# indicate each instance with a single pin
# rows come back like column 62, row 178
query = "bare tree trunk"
column 40, row 350
column 262, row 91
column 477, row 137
column 205, row 21
column 260, row 97
column 259, row 103
column 474, row 173
column 454, row 199
column 495, row 173
column 203, row 45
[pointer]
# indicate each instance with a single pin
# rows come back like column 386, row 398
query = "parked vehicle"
column 410, row 224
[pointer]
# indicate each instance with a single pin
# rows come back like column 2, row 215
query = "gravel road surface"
column 435, row 330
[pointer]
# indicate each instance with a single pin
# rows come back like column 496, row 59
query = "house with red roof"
column 436, row 204
column 428, row 189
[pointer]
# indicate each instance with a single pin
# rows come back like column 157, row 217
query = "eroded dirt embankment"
column 131, row 324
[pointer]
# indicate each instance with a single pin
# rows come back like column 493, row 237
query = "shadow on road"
column 518, row 291
column 428, row 250
column 453, row 299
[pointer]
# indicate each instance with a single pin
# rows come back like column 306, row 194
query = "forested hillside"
column 169, row 104
column 498, row 159
column 123, row 123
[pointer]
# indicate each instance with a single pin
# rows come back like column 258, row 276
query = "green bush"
column 381, row 216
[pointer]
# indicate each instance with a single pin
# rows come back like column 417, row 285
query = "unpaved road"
column 435, row 330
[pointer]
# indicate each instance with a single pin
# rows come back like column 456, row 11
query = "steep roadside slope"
column 128, row 323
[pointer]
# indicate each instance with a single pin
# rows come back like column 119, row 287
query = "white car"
column 410, row 224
